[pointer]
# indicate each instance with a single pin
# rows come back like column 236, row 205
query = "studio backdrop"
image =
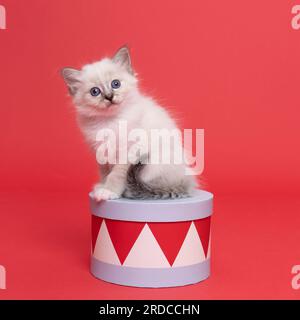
column 228, row 67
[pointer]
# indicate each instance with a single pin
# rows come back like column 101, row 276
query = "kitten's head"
column 102, row 87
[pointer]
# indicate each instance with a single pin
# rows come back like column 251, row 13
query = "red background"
column 230, row 67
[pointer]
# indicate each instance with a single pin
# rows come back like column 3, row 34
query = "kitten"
column 106, row 92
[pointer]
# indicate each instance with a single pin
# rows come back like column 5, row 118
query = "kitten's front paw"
column 104, row 194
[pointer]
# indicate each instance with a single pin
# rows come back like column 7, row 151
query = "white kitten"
column 106, row 92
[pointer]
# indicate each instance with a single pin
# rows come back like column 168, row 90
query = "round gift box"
column 152, row 243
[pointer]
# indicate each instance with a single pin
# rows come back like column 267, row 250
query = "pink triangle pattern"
column 143, row 250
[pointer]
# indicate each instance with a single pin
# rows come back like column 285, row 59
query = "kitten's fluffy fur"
column 125, row 103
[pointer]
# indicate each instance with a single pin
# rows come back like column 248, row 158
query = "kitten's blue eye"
column 115, row 84
column 95, row 91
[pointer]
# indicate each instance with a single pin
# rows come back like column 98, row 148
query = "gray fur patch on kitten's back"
column 137, row 189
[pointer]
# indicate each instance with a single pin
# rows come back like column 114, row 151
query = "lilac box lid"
column 198, row 206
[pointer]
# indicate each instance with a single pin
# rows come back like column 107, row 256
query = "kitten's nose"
column 109, row 97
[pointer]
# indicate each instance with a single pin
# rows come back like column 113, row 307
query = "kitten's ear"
column 72, row 79
column 122, row 57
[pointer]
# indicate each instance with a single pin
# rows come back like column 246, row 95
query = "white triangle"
column 191, row 251
column 146, row 252
column 209, row 247
column 104, row 248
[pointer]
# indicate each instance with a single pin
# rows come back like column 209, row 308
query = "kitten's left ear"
column 122, row 57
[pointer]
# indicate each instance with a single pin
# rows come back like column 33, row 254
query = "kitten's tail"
column 137, row 189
